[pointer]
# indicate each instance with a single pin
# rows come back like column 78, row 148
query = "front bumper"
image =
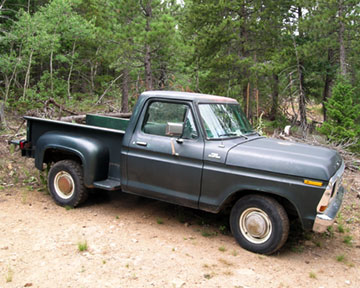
column 326, row 219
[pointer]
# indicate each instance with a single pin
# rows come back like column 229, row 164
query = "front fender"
column 93, row 154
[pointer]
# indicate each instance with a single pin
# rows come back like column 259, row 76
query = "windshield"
column 224, row 120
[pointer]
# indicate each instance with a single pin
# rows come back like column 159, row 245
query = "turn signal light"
column 313, row 183
column 322, row 208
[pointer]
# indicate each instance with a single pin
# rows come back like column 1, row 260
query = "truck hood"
column 285, row 157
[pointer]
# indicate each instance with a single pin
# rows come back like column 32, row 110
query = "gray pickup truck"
column 198, row 151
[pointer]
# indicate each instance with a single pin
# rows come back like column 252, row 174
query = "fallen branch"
column 81, row 118
column 107, row 89
column 61, row 107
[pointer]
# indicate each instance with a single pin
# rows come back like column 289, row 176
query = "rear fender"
column 94, row 155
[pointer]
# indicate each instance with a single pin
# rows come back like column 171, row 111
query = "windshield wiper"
column 233, row 134
column 252, row 133
column 228, row 134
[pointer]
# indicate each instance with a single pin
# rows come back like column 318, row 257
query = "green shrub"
column 342, row 124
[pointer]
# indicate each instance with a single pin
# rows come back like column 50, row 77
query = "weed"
column 24, row 195
column 159, row 221
column 127, row 265
column 206, row 233
column 12, row 148
column 67, row 207
column 234, row 253
column 104, row 262
column 225, row 262
column 318, row 244
column 9, row 275
column 298, row 249
column 340, row 228
column 329, row 232
column 340, row 258
column 206, row 266
column 223, row 230
column 312, row 275
column 82, row 246
column 2, row 187
column 117, row 217
column 348, row 240
column 207, row 276
column 222, row 249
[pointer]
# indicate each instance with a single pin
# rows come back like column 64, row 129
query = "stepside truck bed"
column 102, row 135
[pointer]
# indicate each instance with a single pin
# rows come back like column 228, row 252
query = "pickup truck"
column 198, row 151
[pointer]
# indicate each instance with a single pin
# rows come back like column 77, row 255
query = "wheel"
column 66, row 183
column 259, row 224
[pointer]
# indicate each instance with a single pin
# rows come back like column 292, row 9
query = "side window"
column 158, row 114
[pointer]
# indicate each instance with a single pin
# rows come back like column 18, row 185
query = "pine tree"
column 342, row 124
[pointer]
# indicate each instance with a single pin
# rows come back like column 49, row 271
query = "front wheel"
column 259, row 224
column 66, row 183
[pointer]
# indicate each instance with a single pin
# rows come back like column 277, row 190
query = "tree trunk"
column 327, row 83
column 125, row 92
column 341, row 39
column 275, row 97
column 299, row 66
column 51, row 72
column 27, row 76
column 70, row 72
column 2, row 115
column 147, row 60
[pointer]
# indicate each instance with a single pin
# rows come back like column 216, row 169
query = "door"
column 161, row 166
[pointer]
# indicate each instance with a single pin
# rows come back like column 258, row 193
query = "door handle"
column 140, row 143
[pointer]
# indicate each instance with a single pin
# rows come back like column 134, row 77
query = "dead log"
column 81, row 118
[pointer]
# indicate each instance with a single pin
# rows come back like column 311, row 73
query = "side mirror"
column 174, row 129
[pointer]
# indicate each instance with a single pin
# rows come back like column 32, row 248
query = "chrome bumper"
column 326, row 219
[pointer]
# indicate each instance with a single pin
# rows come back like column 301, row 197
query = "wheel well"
column 288, row 206
column 56, row 155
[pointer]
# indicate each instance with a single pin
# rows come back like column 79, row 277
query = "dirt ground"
column 137, row 242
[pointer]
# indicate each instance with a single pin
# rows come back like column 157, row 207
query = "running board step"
column 108, row 184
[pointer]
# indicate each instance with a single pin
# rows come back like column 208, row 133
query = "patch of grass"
column 340, row 258
column 104, row 262
column 348, row 240
column 206, row 266
column 298, row 249
column 223, row 230
column 222, row 249
column 340, row 228
column 329, row 232
column 82, row 246
column 117, row 217
column 24, row 195
column 9, row 275
column 318, row 244
column 234, row 253
column 159, row 221
column 127, row 265
column 206, row 233
column 208, row 276
column 67, row 207
column 312, row 275
column 225, row 262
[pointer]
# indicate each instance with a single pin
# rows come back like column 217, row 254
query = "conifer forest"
column 284, row 61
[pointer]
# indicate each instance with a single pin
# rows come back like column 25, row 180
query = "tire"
column 259, row 224
column 66, row 183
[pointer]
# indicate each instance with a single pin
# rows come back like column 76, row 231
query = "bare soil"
column 137, row 242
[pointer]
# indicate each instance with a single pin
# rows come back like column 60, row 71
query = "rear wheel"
column 66, row 183
column 259, row 224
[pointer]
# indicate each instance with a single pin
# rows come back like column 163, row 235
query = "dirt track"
column 137, row 242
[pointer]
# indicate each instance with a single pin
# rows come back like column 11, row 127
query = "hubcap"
column 255, row 225
column 64, row 185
